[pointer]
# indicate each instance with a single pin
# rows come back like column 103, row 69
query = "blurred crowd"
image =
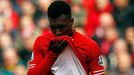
column 109, row 22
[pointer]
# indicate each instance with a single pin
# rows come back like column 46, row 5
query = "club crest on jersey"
column 100, row 61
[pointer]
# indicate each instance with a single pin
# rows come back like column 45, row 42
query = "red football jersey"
column 86, row 50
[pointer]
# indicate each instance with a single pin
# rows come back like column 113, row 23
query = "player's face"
column 61, row 26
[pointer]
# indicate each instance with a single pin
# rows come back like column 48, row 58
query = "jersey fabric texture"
column 85, row 49
column 67, row 61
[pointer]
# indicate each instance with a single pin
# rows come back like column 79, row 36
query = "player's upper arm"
column 95, row 60
column 36, row 54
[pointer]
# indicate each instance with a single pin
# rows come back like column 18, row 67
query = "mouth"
column 58, row 34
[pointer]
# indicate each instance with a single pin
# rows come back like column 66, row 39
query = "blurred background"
column 109, row 22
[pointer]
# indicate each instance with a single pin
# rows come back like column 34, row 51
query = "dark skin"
column 60, row 27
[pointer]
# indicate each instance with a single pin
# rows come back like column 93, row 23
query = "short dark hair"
column 57, row 8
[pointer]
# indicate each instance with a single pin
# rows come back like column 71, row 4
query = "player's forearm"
column 44, row 67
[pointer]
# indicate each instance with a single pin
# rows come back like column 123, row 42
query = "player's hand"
column 57, row 46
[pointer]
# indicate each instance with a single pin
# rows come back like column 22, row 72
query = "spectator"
column 123, row 14
column 129, row 35
column 121, row 52
column 11, row 60
column 94, row 8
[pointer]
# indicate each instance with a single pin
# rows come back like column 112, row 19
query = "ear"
column 72, row 20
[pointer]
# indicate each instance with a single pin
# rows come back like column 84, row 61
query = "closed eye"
column 58, row 26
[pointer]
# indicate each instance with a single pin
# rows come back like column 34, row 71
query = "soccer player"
column 64, row 51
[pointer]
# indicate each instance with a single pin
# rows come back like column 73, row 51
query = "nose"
column 58, row 32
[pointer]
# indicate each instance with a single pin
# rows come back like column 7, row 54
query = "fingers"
column 62, row 43
column 58, row 46
column 56, row 43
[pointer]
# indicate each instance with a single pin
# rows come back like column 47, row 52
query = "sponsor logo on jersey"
column 32, row 56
